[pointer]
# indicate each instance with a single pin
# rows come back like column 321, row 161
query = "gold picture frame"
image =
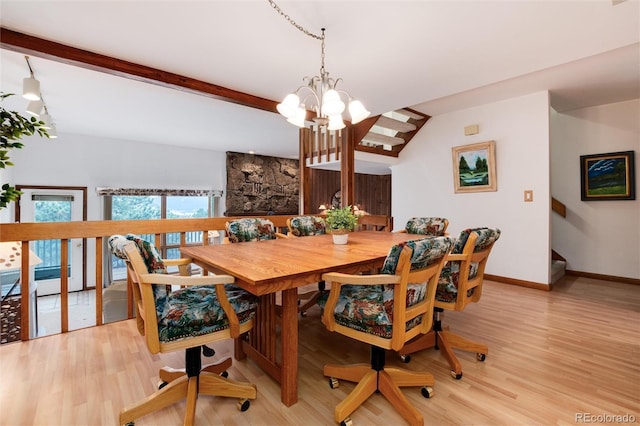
column 474, row 167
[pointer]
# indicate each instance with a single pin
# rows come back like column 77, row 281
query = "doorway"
column 55, row 204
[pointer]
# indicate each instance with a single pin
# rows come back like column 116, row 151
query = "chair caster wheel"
column 456, row 375
column 207, row 351
column 162, row 384
column 481, row 357
column 347, row 422
column 224, row 374
column 334, row 383
column 243, row 404
column 405, row 358
column 427, row 391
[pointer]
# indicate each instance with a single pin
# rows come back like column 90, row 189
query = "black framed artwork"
column 609, row 176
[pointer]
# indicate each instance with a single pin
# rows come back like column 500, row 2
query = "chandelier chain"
column 302, row 29
column 292, row 22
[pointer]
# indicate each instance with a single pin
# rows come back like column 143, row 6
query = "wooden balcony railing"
column 98, row 231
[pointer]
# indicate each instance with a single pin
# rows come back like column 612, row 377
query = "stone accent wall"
column 260, row 185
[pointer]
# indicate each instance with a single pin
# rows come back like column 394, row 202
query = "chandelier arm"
column 340, row 91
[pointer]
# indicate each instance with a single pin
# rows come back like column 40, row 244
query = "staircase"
column 558, row 266
column 558, row 263
column 389, row 133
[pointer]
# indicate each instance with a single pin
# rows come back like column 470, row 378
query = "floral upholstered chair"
column 460, row 283
column 432, row 226
column 385, row 311
column 250, row 229
column 201, row 309
column 306, row 226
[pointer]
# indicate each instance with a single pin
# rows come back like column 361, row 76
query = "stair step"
column 558, row 268
column 378, row 139
column 397, row 125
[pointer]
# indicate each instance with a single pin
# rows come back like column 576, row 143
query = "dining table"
column 267, row 267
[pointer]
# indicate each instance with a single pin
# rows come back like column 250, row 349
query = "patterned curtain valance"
column 169, row 192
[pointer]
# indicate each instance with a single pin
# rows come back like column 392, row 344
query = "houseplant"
column 14, row 127
column 340, row 221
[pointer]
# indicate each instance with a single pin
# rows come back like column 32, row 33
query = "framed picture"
column 474, row 167
column 608, row 176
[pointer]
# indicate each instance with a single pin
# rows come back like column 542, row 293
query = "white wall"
column 601, row 237
column 422, row 183
column 74, row 160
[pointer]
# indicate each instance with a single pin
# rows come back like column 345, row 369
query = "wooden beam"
column 35, row 46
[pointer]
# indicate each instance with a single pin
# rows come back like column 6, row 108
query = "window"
column 137, row 204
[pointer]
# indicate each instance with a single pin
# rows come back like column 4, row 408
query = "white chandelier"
column 320, row 94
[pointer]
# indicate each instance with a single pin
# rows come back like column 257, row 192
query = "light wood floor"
column 553, row 356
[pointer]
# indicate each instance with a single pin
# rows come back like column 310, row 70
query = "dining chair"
column 305, row 226
column 433, row 226
column 460, row 284
column 195, row 310
column 364, row 308
column 249, row 229
column 368, row 222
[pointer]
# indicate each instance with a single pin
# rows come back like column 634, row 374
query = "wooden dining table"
column 265, row 268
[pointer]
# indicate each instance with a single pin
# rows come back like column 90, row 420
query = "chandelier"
column 320, row 94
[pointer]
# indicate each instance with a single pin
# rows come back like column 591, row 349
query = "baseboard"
column 521, row 283
column 602, row 277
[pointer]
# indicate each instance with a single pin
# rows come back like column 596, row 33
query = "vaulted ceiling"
column 431, row 56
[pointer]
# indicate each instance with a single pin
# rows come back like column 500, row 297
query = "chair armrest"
column 281, row 235
column 186, row 281
column 376, row 279
column 177, row 262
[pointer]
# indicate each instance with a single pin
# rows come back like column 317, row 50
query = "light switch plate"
column 472, row 129
column 528, row 195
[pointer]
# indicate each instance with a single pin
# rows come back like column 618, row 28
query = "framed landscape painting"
column 474, row 167
column 608, row 176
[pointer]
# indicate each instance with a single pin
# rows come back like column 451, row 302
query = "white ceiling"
column 434, row 56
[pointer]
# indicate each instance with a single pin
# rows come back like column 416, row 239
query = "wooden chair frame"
column 440, row 337
column 195, row 380
column 377, row 377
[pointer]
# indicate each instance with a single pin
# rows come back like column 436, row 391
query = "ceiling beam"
column 39, row 47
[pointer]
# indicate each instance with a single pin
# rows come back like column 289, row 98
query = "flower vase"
column 340, row 237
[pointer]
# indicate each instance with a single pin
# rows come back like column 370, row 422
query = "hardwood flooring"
column 559, row 357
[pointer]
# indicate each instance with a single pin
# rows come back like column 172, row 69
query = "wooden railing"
column 98, row 231
column 321, row 147
column 558, row 207
column 102, row 230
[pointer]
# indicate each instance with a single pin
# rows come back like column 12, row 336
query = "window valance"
column 160, row 192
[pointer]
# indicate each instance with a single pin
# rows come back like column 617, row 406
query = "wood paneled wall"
column 372, row 193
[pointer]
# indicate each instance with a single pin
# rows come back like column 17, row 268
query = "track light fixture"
column 36, row 106
column 320, row 94
column 46, row 119
column 30, row 86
